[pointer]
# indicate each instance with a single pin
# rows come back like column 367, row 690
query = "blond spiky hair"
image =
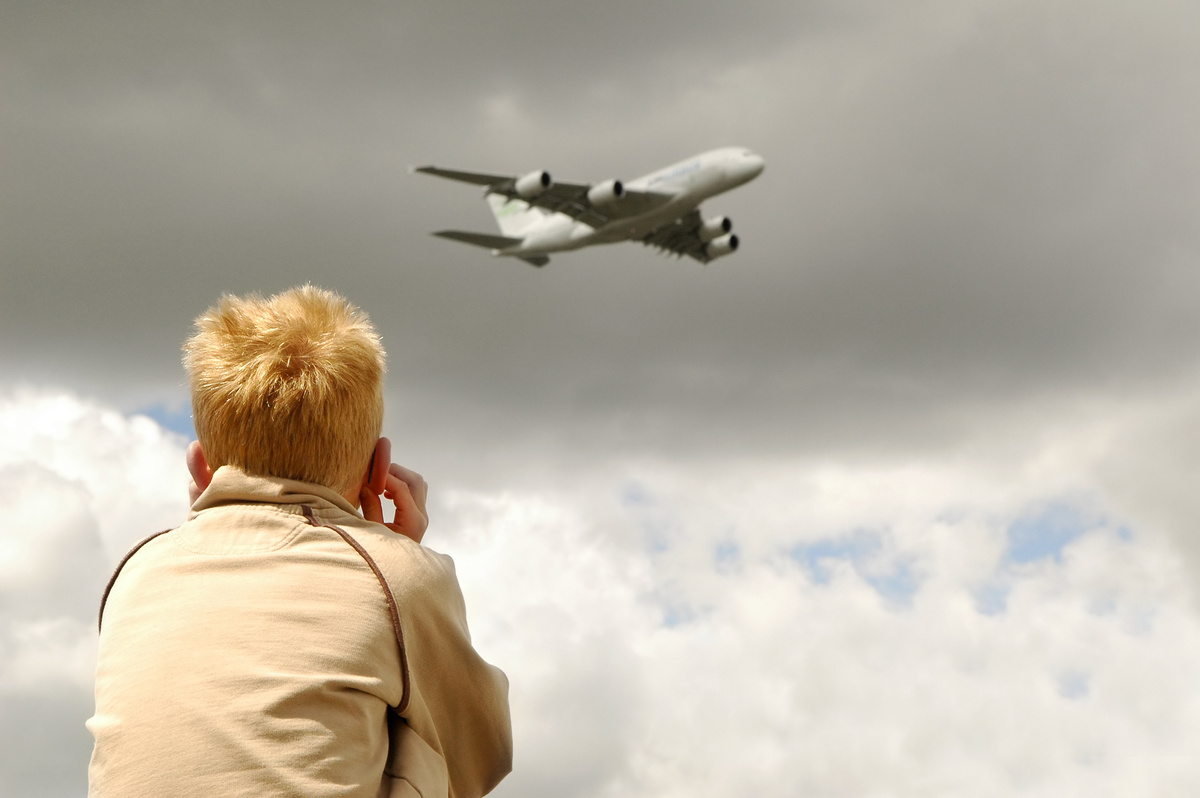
column 290, row 386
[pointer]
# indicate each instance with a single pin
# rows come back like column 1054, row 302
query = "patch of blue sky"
column 676, row 615
column 657, row 525
column 1074, row 685
column 819, row 557
column 992, row 598
column 675, row 606
column 727, row 556
column 174, row 419
column 1041, row 535
column 635, row 494
column 656, row 541
column 1046, row 532
column 898, row 584
column 893, row 577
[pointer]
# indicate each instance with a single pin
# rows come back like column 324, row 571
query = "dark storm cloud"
column 965, row 210
column 967, row 292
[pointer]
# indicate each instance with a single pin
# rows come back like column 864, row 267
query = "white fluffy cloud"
column 983, row 624
column 79, row 484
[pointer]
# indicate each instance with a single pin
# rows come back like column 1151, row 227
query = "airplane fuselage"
column 688, row 182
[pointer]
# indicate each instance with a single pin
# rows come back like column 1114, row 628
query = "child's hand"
column 407, row 490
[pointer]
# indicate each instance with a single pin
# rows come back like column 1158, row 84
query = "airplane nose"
column 754, row 164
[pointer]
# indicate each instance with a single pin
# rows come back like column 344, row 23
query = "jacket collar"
column 232, row 485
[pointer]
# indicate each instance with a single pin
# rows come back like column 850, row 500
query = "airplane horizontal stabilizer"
column 479, row 239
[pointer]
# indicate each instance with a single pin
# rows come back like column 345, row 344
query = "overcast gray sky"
column 927, row 438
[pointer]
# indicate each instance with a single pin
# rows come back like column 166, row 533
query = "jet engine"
column 721, row 246
column 533, row 184
column 603, row 195
column 716, row 226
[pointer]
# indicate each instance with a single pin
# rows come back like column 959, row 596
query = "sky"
column 897, row 500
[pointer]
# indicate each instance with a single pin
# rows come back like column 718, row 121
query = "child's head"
column 289, row 386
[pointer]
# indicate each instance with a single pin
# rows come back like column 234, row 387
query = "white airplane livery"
column 538, row 216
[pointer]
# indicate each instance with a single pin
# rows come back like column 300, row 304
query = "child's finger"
column 415, row 482
column 411, row 519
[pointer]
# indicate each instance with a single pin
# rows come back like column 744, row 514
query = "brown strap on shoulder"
column 393, row 610
column 113, row 579
column 387, row 593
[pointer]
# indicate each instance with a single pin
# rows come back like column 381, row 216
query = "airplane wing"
column 570, row 199
column 478, row 178
column 681, row 237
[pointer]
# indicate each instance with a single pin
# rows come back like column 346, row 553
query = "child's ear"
column 197, row 465
column 381, row 461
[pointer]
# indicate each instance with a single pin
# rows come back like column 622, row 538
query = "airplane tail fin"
column 514, row 216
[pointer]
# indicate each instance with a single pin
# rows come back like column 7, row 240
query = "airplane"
column 538, row 216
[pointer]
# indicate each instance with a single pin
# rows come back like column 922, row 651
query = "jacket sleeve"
column 457, row 702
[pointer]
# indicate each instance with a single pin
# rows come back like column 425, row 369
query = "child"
column 279, row 642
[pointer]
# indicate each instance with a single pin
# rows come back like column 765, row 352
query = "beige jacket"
column 251, row 652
